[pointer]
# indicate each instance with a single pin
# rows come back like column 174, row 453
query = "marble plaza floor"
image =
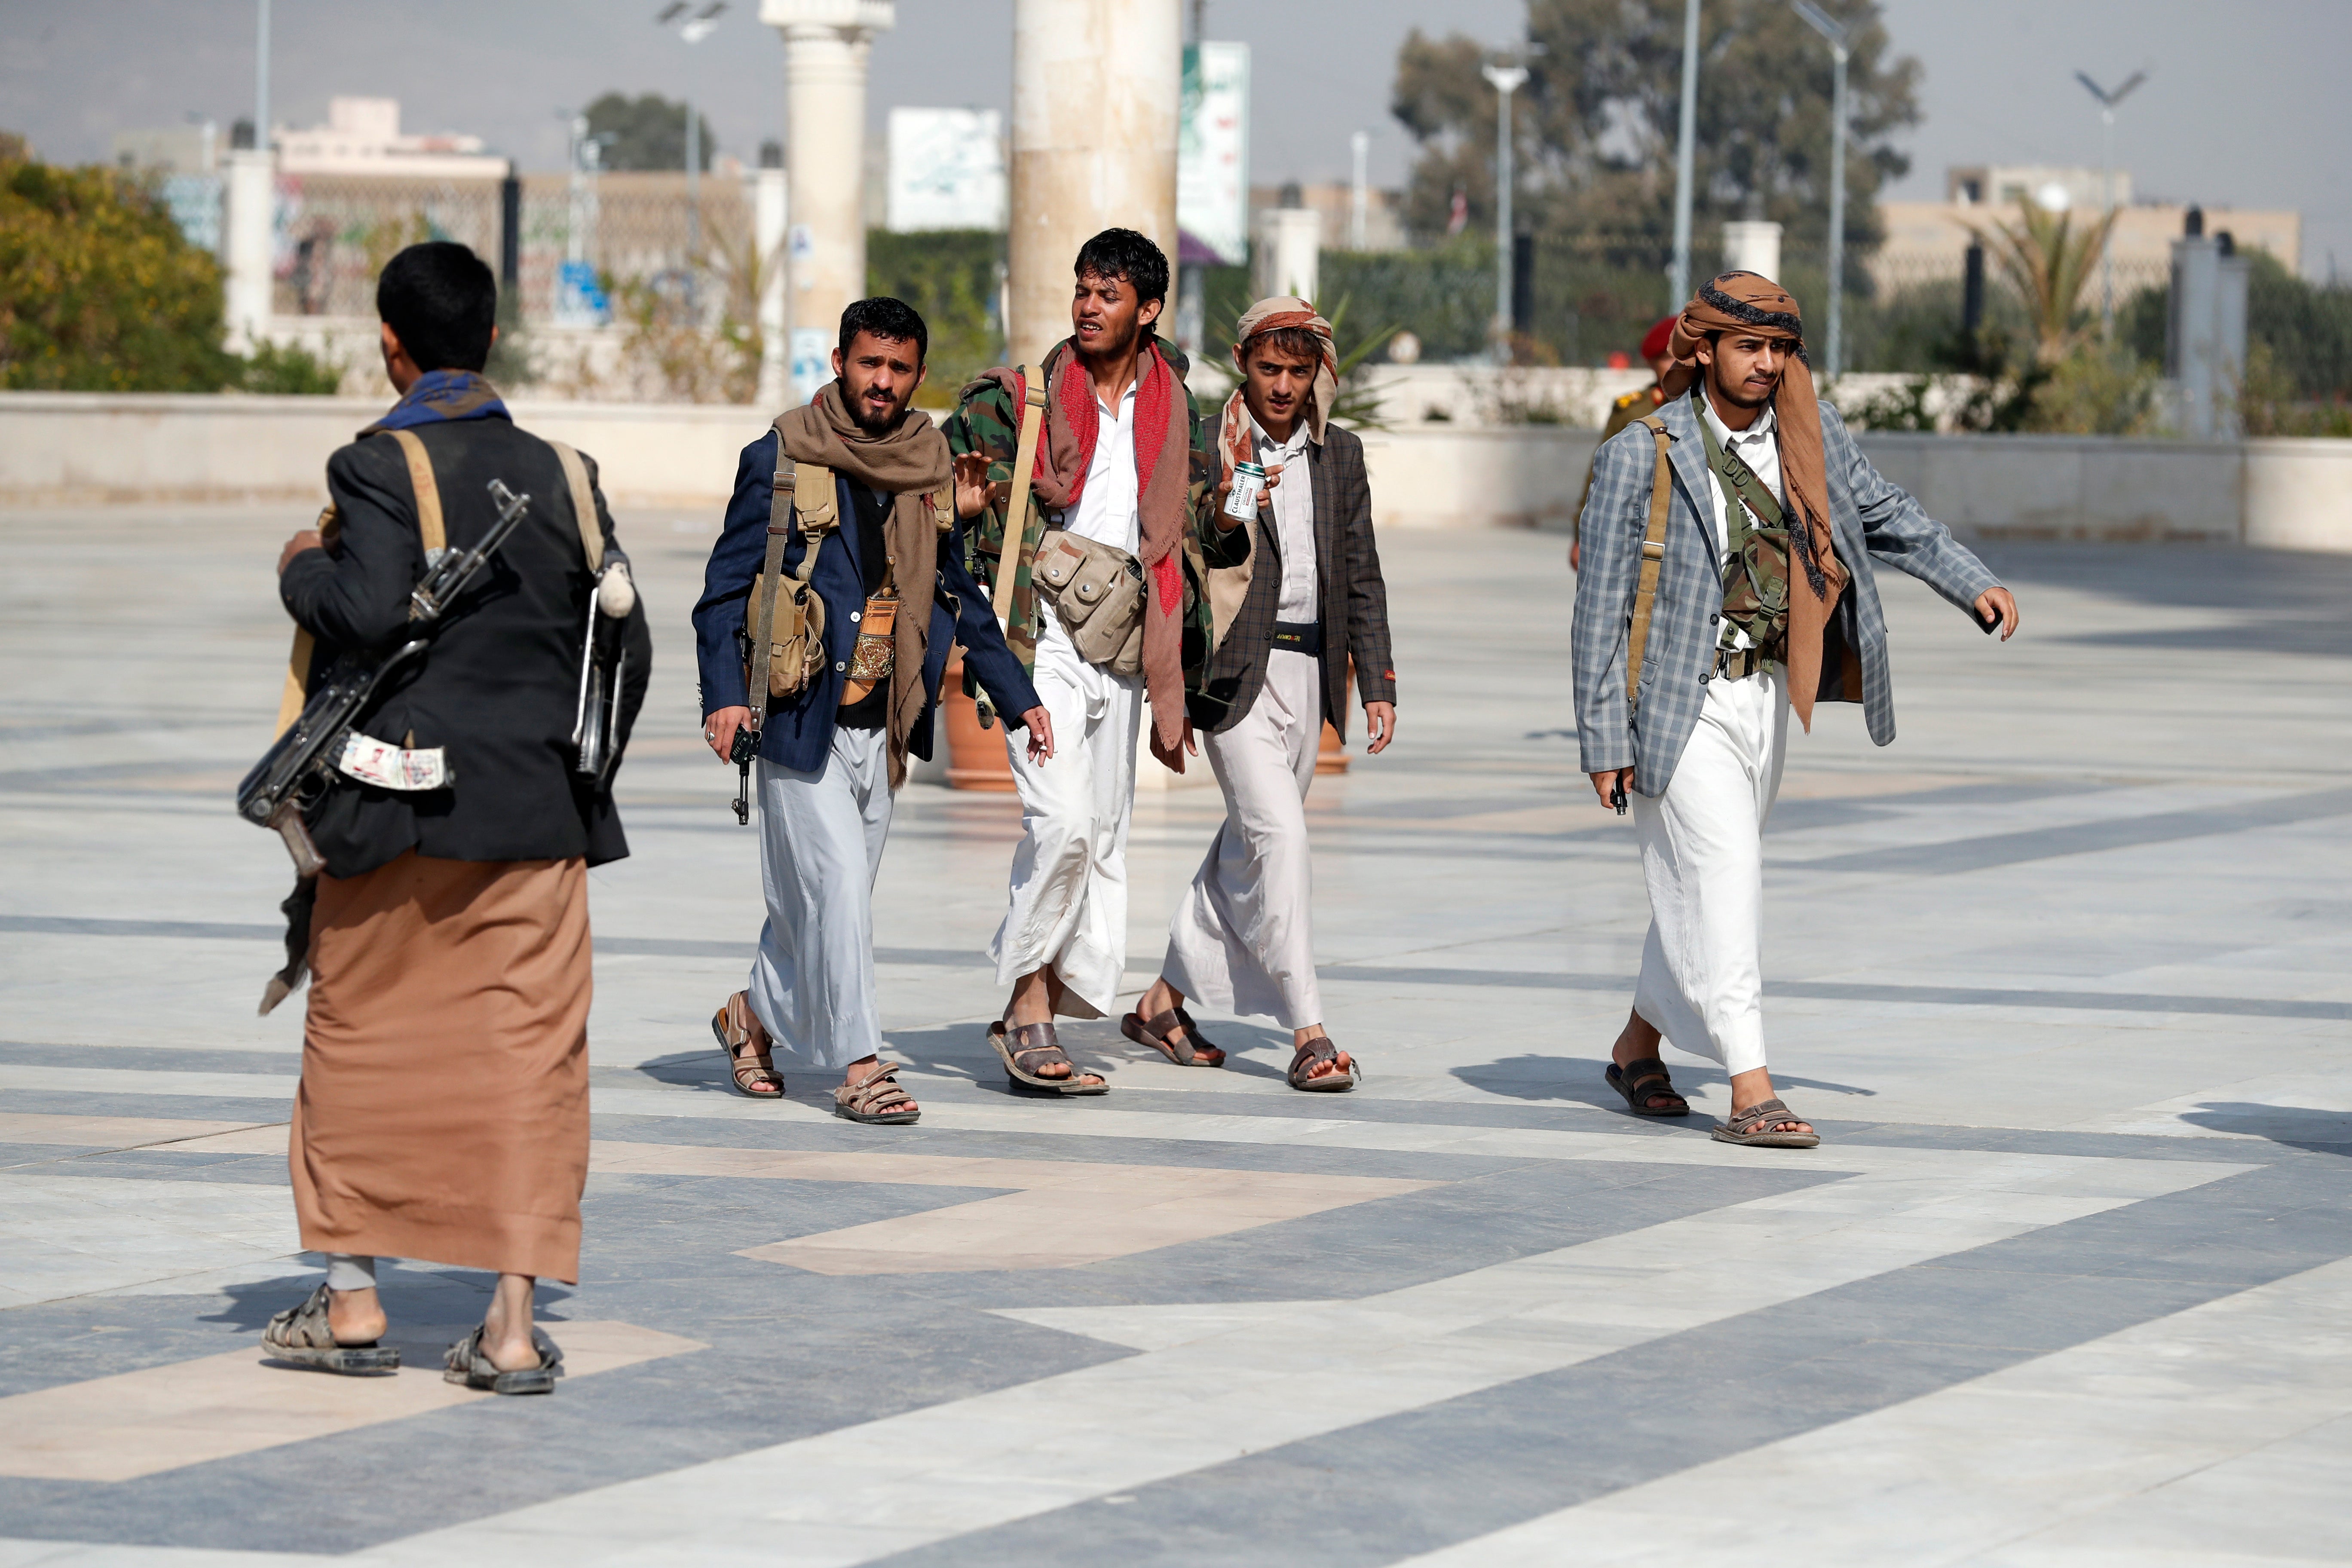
column 2065, row 976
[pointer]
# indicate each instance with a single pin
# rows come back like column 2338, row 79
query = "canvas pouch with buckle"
column 1097, row 592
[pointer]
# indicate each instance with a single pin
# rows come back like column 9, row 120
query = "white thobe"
column 821, row 838
column 1243, row 940
column 1702, row 840
column 1067, row 903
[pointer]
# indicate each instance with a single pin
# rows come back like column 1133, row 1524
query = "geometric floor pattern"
column 2061, row 976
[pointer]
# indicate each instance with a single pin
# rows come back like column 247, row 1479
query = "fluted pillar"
column 1096, row 86
column 826, row 48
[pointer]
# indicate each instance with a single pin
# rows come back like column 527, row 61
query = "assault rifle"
column 295, row 771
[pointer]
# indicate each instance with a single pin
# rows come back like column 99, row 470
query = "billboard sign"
column 1212, row 150
column 947, row 170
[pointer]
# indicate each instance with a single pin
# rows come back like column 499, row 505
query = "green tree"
column 1596, row 125
column 950, row 278
column 98, row 289
column 647, row 133
column 2049, row 262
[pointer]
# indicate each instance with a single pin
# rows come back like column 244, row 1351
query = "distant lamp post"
column 1359, row 190
column 1686, row 135
column 2108, row 102
column 1837, row 34
column 1505, row 80
column 692, row 29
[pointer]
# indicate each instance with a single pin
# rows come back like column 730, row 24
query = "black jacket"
column 500, row 685
column 1353, row 595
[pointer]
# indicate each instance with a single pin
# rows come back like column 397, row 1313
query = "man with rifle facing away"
column 443, row 1112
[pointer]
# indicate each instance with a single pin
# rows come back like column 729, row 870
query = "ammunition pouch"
column 1096, row 591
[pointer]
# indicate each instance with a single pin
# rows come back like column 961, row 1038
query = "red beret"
column 1654, row 341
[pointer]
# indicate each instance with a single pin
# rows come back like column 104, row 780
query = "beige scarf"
column 910, row 462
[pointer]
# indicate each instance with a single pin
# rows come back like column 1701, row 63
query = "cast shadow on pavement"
column 1583, row 1080
column 2296, row 1126
column 413, row 1294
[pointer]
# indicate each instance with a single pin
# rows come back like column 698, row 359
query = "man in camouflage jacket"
column 1120, row 467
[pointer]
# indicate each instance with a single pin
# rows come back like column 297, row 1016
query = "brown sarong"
column 443, row 1113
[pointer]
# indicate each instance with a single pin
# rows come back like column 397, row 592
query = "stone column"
column 248, row 243
column 1750, row 245
column 769, row 213
column 1290, row 252
column 1096, row 86
column 825, row 46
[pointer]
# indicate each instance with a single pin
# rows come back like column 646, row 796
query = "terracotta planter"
column 1333, row 756
column 976, row 757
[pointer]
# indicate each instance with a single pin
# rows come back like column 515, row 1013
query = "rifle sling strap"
column 1015, row 546
column 1654, row 555
column 584, row 506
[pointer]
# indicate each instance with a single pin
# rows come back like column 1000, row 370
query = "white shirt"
column 1759, row 447
column 1106, row 505
column 1293, row 521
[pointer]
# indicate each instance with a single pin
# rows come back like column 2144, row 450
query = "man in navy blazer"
column 831, row 753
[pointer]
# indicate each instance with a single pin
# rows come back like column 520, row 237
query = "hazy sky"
column 2243, row 105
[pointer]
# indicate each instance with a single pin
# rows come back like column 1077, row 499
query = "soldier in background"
column 1657, row 353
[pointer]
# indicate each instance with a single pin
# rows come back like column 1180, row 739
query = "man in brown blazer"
column 1293, row 599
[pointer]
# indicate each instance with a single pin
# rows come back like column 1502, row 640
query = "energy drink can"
column 1249, row 485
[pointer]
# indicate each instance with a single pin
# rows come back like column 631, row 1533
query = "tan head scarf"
column 1745, row 302
column 1273, row 315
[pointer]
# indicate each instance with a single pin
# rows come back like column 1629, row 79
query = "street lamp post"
column 1507, row 81
column 1359, row 190
column 261, row 79
column 1685, row 136
column 693, row 30
column 2108, row 102
column 1837, row 34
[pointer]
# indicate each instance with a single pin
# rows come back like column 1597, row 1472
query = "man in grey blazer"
column 1747, row 594
column 1295, row 593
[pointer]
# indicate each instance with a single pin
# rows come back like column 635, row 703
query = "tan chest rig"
column 786, row 618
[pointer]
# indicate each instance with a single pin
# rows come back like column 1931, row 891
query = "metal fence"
column 334, row 232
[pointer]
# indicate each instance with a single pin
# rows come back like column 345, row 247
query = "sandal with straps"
column 755, row 1071
column 468, row 1365
column 1756, row 1126
column 1192, row 1051
column 1033, row 1046
column 1645, row 1081
column 302, row 1336
column 1322, row 1050
column 876, row 1097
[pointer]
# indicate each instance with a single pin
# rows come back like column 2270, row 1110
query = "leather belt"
column 1299, row 636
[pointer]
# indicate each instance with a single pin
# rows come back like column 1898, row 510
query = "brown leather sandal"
column 755, row 1071
column 1322, row 1050
column 1758, row 1126
column 876, row 1097
column 1192, row 1051
column 1033, row 1045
